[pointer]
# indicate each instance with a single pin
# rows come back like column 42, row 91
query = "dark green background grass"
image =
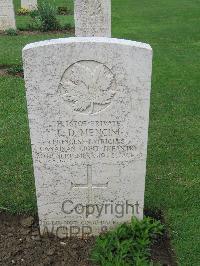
column 172, row 182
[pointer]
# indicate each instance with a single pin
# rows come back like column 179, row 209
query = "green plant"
column 44, row 18
column 11, row 32
column 33, row 13
column 67, row 26
column 35, row 22
column 16, row 70
column 128, row 244
column 23, row 11
column 47, row 16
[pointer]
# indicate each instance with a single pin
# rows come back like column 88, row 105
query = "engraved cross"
column 90, row 186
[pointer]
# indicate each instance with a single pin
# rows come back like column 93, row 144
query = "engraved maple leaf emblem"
column 86, row 85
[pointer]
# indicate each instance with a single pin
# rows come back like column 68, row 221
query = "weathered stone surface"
column 29, row 4
column 7, row 15
column 88, row 106
column 92, row 18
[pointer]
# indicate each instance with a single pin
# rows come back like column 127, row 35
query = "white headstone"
column 88, row 106
column 7, row 15
column 92, row 18
column 29, row 4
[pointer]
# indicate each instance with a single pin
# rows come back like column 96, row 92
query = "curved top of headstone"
column 86, row 40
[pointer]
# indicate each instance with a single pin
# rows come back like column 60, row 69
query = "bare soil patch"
column 37, row 32
column 161, row 250
column 4, row 71
column 21, row 244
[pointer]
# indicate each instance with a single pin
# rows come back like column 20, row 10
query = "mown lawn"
column 173, row 181
column 23, row 21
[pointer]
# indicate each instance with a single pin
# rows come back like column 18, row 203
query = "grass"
column 17, row 186
column 68, row 3
column 172, row 182
column 24, row 21
column 12, row 54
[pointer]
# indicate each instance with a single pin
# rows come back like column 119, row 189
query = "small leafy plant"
column 35, row 23
column 44, row 18
column 128, row 244
column 47, row 16
column 11, row 32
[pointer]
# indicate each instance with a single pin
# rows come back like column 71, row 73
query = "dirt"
column 161, row 250
column 6, row 72
column 37, row 32
column 3, row 72
column 21, row 244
